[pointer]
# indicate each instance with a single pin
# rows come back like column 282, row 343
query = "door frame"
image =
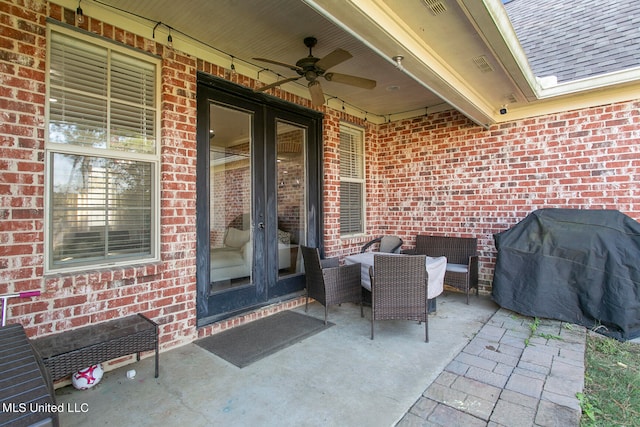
column 269, row 108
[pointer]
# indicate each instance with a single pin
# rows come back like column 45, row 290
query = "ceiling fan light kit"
column 311, row 68
column 315, row 90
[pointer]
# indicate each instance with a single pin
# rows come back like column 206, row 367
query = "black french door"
column 258, row 197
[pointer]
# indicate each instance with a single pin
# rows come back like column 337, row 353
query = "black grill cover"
column 578, row 266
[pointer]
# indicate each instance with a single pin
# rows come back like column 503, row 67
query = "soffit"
column 275, row 29
column 444, row 53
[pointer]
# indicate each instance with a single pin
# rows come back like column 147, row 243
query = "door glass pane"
column 292, row 231
column 230, row 198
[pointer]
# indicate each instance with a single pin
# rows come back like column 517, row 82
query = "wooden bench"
column 67, row 352
column 462, row 259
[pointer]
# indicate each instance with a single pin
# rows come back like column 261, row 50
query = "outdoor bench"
column 462, row 259
column 70, row 351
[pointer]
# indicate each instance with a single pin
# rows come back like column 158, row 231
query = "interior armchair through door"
column 233, row 260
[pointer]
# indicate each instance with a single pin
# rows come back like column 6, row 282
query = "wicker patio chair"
column 462, row 259
column 330, row 283
column 386, row 244
column 399, row 289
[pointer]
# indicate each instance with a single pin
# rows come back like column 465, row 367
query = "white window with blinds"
column 102, row 153
column 352, row 181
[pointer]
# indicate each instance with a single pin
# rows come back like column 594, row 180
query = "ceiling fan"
column 311, row 68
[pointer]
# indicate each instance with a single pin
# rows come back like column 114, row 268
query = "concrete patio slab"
column 338, row 377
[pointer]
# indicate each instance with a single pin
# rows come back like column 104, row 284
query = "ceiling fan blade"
column 282, row 64
column 278, row 83
column 334, row 58
column 317, row 96
column 350, row 80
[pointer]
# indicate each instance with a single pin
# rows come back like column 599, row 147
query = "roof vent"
column 511, row 98
column 437, row 6
column 482, row 64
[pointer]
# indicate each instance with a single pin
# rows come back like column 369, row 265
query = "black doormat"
column 248, row 343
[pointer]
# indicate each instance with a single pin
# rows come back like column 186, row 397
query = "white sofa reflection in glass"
column 234, row 259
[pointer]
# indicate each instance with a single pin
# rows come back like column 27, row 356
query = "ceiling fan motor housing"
column 308, row 68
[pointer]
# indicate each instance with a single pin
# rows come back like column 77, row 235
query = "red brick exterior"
column 443, row 175
column 439, row 174
column 164, row 291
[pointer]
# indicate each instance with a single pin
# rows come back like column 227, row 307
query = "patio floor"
column 474, row 371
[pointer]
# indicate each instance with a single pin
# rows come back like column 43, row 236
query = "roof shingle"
column 575, row 39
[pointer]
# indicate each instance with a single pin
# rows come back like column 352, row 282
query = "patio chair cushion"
column 386, row 244
column 457, row 268
column 389, row 244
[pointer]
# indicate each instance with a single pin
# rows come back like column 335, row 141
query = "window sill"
column 120, row 275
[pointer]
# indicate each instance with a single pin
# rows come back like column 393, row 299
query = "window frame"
column 52, row 148
column 357, row 132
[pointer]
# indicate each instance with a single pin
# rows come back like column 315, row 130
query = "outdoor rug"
column 253, row 341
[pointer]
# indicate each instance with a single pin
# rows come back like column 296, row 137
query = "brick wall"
column 334, row 244
column 22, row 89
column 22, row 95
column 439, row 174
column 444, row 175
column 165, row 291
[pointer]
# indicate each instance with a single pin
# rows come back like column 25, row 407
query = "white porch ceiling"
column 457, row 53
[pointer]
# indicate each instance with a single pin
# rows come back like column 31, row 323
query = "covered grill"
column 578, row 266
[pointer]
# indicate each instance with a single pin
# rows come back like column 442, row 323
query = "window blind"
column 351, row 181
column 351, row 156
column 101, row 207
column 350, row 207
column 99, row 98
